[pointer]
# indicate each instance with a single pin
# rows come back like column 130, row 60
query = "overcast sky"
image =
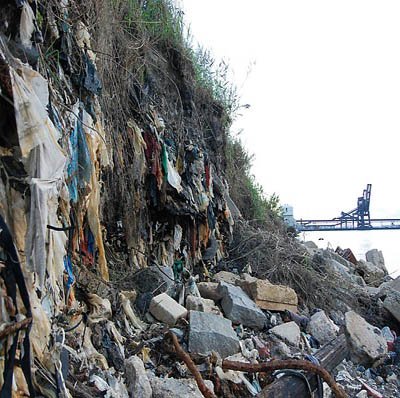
column 324, row 90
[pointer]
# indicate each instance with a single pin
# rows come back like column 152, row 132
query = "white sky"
column 324, row 90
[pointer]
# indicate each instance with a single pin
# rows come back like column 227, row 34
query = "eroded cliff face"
column 111, row 161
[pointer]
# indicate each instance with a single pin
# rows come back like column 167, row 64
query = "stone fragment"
column 268, row 296
column 137, row 383
column 362, row 394
column 239, row 308
column 392, row 304
column 209, row 332
column 177, row 388
column 209, row 290
column 365, row 341
column 228, row 277
column 392, row 378
column 375, row 257
column 371, row 273
column 289, row 332
column 150, row 278
column 166, row 309
column 386, row 287
column 280, row 350
column 201, row 304
column 322, row 328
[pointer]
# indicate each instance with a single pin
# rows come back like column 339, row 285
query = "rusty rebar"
column 184, row 356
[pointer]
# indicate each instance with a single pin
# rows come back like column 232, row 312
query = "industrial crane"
column 358, row 219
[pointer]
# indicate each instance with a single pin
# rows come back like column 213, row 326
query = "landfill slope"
column 123, row 220
column 111, row 161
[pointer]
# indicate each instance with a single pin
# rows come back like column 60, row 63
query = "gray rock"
column 337, row 316
column 362, row 394
column 194, row 303
column 371, row 273
column 209, row 332
column 289, row 332
column 280, row 350
column 392, row 304
column 166, row 309
column 176, row 388
column 311, row 247
column 322, row 328
column 387, row 287
column 137, row 383
column 365, row 341
column 147, row 279
column 228, row 277
column 330, row 254
column 375, row 257
column 239, row 308
column 209, row 290
column 392, row 378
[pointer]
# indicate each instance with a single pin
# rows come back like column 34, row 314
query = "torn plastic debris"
column 90, row 80
column 130, row 314
column 173, row 177
column 27, row 25
column 80, row 167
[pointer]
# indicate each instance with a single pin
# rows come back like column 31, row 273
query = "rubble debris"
column 114, row 212
column 191, row 366
column 366, row 341
column 176, row 388
column 322, row 328
column 137, row 382
column 392, row 304
column 375, row 257
column 209, row 332
column 228, row 277
column 239, row 308
column 201, row 304
column 209, row 290
column 166, row 309
column 154, row 278
column 289, row 332
column 268, row 296
column 372, row 274
column 287, row 364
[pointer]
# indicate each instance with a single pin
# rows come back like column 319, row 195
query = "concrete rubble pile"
column 67, row 327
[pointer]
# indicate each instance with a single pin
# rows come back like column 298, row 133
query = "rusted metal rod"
column 184, row 356
column 287, row 364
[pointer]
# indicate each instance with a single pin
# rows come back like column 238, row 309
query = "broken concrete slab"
column 239, row 308
column 268, row 296
column 289, row 332
column 209, row 290
column 177, row 388
column 392, row 304
column 365, row 341
column 194, row 303
column 322, row 327
column 150, row 278
column 228, row 277
column 375, row 257
column 209, row 332
column 166, row 309
column 138, row 384
column 371, row 273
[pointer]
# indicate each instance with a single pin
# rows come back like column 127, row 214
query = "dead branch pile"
column 274, row 255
